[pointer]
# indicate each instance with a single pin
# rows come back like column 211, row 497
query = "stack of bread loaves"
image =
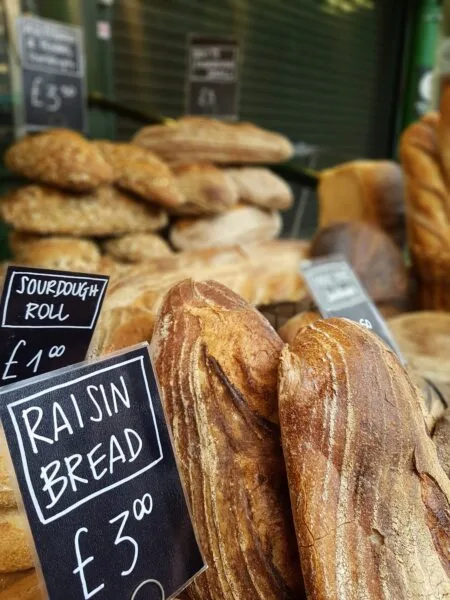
column 223, row 205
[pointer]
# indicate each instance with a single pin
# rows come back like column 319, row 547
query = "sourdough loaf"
column 371, row 502
column 137, row 247
column 216, row 360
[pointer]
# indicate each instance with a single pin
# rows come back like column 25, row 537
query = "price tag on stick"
column 47, row 320
column 97, row 473
column 53, row 74
column 339, row 293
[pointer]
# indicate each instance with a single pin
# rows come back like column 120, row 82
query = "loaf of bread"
column 371, row 502
column 59, row 157
column 141, row 172
column 259, row 186
column 369, row 191
column 207, row 189
column 289, row 330
column 441, row 438
column 243, row 224
column 199, row 139
column 15, row 550
column 372, row 254
column 38, row 209
column 137, row 247
column 216, row 359
column 65, row 253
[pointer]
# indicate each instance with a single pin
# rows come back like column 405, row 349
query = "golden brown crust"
column 243, row 224
column 27, row 586
column 199, row 139
column 206, row 188
column 61, row 158
column 141, row 172
column 106, row 211
column 369, row 191
column 371, row 502
column 259, row 186
column 7, row 498
column 441, row 438
column 373, row 255
column 15, row 550
column 137, row 247
column 72, row 254
column 216, row 360
column 290, row 329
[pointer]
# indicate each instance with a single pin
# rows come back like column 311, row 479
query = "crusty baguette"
column 371, row 502
column 59, row 157
column 200, row 139
column 216, row 360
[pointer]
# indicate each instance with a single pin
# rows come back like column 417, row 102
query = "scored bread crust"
column 106, row 211
column 199, row 139
column 59, row 157
column 141, row 172
column 371, row 502
column 216, row 360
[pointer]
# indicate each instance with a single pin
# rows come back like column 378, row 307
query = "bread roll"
column 373, row 255
column 137, row 247
column 199, row 139
column 371, row 502
column 106, row 211
column 243, row 224
column 207, row 189
column 141, row 172
column 369, row 191
column 65, row 253
column 61, row 158
column 216, row 360
column 259, row 186
column 15, row 550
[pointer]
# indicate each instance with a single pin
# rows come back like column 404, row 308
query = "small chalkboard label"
column 53, row 78
column 99, row 481
column 47, row 320
column 339, row 293
column 212, row 77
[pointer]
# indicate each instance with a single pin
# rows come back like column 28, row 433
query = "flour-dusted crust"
column 216, row 359
column 141, row 172
column 371, row 502
column 200, row 139
column 137, row 247
column 106, row 211
column 259, row 186
column 60, row 158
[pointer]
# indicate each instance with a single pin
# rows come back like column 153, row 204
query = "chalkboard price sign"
column 212, row 78
column 47, row 320
column 339, row 293
column 99, row 481
column 52, row 65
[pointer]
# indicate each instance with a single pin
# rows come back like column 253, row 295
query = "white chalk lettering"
column 97, row 406
column 123, row 517
column 120, row 456
column 31, row 429
column 72, row 463
column 81, row 564
column 11, row 361
column 50, row 481
column 45, row 311
column 134, row 453
column 65, row 425
column 93, row 463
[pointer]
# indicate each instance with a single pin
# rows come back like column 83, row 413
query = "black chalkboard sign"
column 212, row 77
column 47, row 320
column 53, row 79
column 339, row 293
column 99, row 481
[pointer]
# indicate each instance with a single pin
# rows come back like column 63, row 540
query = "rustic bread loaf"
column 289, row 330
column 61, row 158
column 137, row 247
column 141, row 172
column 242, row 224
column 371, row 502
column 15, row 550
column 216, row 360
column 363, row 190
column 65, row 253
column 106, row 211
column 207, row 189
column 200, row 139
column 259, row 186
column 374, row 257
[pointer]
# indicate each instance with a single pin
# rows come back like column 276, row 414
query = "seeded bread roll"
column 141, row 172
column 61, row 158
column 216, row 360
column 371, row 502
column 37, row 209
column 199, row 139
column 243, row 224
